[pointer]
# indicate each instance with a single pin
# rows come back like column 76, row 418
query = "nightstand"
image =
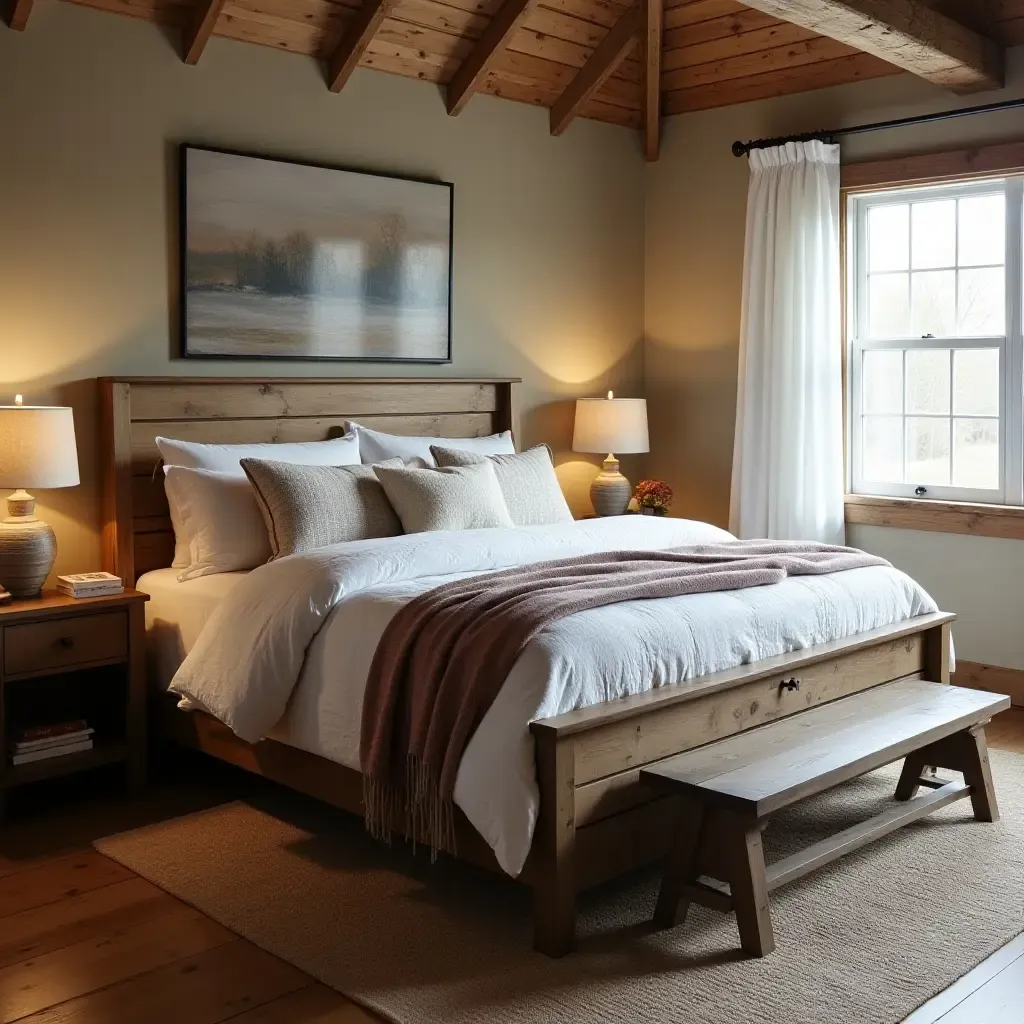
column 65, row 658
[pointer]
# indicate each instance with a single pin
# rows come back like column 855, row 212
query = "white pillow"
column 217, row 521
column 455, row 498
column 226, row 458
column 376, row 446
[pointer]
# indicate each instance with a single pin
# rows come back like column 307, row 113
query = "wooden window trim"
column 933, row 168
column 964, row 517
column 969, row 518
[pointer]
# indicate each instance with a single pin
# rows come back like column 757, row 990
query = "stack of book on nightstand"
column 45, row 741
column 90, row 584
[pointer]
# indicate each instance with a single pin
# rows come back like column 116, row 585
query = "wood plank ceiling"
column 602, row 58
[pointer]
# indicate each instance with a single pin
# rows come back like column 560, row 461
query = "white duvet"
column 288, row 651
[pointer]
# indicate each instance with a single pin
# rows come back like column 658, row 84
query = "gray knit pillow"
column 527, row 480
column 308, row 507
column 458, row 498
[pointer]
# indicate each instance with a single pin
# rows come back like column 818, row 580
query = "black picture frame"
column 188, row 349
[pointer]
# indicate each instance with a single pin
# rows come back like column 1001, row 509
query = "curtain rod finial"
column 739, row 148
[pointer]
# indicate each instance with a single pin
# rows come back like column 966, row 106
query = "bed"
column 595, row 820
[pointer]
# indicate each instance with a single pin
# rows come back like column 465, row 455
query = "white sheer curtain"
column 787, row 475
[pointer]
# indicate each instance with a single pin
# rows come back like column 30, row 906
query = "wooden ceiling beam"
column 653, row 25
column 198, row 35
column 356, row 38
column 17, row 14
column 599, row 66
column 907, row 33
column 489, row 47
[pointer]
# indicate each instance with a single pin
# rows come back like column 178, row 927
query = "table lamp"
column 610, row 425
column 37, row 449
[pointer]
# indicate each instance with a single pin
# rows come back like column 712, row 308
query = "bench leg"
column 978, row 774
column 749, row 883
column 913, row 768
column 680, row 868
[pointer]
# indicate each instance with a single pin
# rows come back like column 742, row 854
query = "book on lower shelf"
column 90, row 584
column 38, row 743
column 78, row 747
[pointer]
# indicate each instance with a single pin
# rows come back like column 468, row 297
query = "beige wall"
column 696, row 198
column 548, row 232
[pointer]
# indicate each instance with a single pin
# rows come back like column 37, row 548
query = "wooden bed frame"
column 597, row 820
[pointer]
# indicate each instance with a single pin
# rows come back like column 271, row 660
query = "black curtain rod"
column 743, row 148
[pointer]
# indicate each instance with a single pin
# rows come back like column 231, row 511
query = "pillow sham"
column 376, row 446
column 225, row 458
column 306, row 507
column 527, row 481
column 216, row 521
column 454, row 498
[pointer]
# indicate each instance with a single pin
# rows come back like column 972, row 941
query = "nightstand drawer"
column 65, row 643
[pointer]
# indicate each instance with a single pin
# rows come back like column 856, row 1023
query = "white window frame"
column 1011, row 347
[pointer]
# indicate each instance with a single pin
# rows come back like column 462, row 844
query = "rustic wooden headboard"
column 137, row 534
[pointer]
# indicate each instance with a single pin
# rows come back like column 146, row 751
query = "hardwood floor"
column 85, row 941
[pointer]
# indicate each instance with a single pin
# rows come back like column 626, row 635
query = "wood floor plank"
column 93, row 914
column 963, row 990
column 32, row 985
column 998, row 1000
column 316, row 1004
column 213, row 986
column 58, row 879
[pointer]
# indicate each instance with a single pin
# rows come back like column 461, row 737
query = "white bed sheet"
column 175, row 616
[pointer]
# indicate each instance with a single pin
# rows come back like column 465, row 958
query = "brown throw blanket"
column 446, row 654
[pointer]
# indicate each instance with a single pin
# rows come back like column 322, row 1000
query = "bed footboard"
column 598, row 821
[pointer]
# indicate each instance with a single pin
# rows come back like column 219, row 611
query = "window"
column 936, row 378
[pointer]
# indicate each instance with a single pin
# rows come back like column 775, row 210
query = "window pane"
column 927, row 451
column 983, row 302
column 933, row 299
column 976, row 453
column 889, row 237
column 934, row 234
column 883, row 449
column 882, row 386
column 928, row 381
column 982, row 230
column 976, row 382
column 889, row 305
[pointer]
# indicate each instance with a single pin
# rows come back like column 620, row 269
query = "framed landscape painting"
column 284, row 260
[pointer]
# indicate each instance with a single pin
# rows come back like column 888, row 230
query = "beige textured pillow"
column 308, row 507
column 527, row 481
column 457, row 498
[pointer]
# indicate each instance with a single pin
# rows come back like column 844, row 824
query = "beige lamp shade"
column 37, row 446
column 611, row 424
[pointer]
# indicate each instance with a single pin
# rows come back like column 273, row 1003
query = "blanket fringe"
column 429, row 818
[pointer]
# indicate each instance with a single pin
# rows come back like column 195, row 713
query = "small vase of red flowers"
column 653, row 497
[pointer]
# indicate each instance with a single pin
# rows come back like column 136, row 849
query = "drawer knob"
column 66, row 641
column 789, row 684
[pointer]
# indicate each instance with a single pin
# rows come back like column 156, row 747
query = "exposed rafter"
column 17, row 14
column 199, row 34
column 907, row 33
column 488, row 49
column 598, row 68
column 358, row 33
column 653, row 20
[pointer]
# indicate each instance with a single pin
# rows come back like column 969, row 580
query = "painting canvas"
column 292, row 261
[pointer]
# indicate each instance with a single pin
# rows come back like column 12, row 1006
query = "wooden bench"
column 733, row 786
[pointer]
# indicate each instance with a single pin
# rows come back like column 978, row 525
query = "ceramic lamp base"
column 610, row 492
column 28, row 548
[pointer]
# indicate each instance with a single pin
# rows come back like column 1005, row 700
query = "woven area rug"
column 863, row 941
